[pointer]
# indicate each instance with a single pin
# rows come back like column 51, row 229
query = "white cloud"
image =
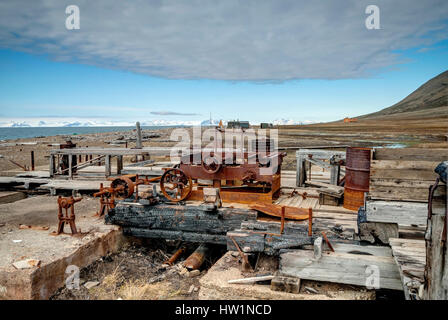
column 228, row 40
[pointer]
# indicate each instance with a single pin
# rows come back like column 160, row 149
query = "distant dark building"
column 265, row 125
column 238, row 125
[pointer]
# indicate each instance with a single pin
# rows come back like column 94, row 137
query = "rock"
column 285, row 284
column 90, row 284
column 26, row 264
column 235, row 253
column 194, row 273
column 190, row 291
column 183, row 271
column 196, row 289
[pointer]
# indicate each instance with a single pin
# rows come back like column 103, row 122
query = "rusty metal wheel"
column 176, row 185
column 210, row 164
column 127, row 185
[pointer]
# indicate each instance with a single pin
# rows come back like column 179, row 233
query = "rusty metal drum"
column 357, row 175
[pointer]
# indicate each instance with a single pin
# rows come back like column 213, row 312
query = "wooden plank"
column 410, row 257
column 403, row 164
column 400, row 183
column 436, row 268
column 420, row 154
column 343, row 268
column 401, row 194
column 404, row 174
column 402, row 213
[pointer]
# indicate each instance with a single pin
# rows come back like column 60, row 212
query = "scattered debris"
column 194, row 273
column 91, row 284
column 24, row 226
column 311, row 290
column 252, row 279
column 26, row 264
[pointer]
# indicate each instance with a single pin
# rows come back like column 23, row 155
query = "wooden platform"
column 369, row 266
column 410, row 256
column 73, row 185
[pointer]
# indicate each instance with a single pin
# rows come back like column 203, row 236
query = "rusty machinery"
column 238, row 181
column 238, row 176
column 69, row 218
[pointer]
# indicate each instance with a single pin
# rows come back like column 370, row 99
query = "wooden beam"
column 403, row 213
column 419, row 154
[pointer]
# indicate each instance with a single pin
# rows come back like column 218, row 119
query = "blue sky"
column 39, row 83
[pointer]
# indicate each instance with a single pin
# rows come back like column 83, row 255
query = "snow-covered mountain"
column 291, row 122
column 58, row 122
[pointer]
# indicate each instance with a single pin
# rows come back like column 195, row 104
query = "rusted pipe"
column 282, row 228
column 197, row 258
column 175, row 256
column 310, row 222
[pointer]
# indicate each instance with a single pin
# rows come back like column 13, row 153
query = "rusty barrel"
column 357, row 175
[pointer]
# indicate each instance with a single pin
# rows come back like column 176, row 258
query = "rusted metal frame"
column 243, row 256
column 327, row 241
column 310, row 221
column 67, row 203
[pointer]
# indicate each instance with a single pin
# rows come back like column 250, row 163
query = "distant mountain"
column 19, row 125
column 284, row 122
column 429, row 101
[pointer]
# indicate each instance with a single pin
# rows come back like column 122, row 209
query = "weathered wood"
column 399, row 193
column 328, row 200
column 301, row 171
column 436, row 271
column 180, row 217
column 419, row 154
column 405, row 174
column 403, row 213
column 285, row 284
column 318, row 248
column 404, row 164
column 410, row 257
column 251, row 279
column 250, row 241
column 175, row 235
column 378, row 231
column 108, row 166
column 119, row 164
column 347, row 268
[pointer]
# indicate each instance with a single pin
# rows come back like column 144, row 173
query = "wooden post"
column 436, row 270
column 334, row 174
column 301, row 171
column 52, row 166
column 108, row 166
column 119, row 164
column 138, row 143
column 70, row 166
column 32, row 160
